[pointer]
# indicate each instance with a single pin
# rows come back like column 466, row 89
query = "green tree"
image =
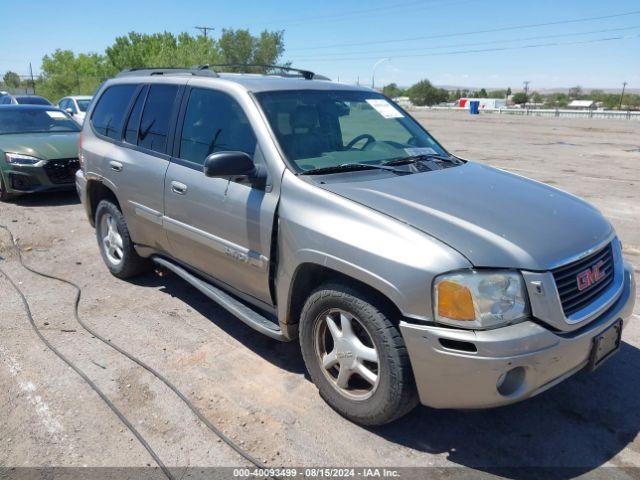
column 239, row 46
column 424, row 93
column 519, row 98
column 64, row 73
column 575, row 93
column 392, row 90
column 11, row 79
column 536, row 98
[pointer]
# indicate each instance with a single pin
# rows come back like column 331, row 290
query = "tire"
column 4, row 195
column 377, row 401
column 116, row 247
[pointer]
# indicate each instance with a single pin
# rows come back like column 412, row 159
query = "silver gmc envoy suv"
column 324, row 212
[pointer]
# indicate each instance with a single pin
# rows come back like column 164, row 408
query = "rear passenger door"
column 218, row 226
column 137, row 162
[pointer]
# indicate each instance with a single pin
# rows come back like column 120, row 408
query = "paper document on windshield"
column 384, row 108
column 54, row 114
column 415, row 151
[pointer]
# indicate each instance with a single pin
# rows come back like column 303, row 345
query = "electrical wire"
column 74, row 367
column 474, row 32
column 481, row 50
column 417, row 50
column 247, row 456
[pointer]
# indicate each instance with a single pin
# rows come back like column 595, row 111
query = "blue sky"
column 344, row 39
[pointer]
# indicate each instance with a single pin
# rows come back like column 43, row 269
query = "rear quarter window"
column 108, row 116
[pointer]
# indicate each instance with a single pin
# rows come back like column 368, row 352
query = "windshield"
column 317, row 129
column 83, row 104
column 14, row 120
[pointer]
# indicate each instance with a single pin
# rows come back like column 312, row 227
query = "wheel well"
column 309, row 276
column 96, row 192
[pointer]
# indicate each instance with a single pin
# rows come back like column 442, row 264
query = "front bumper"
column 450, row 377
column 20, row 179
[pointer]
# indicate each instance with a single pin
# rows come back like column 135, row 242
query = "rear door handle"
column 115, row 166
column 179, row 188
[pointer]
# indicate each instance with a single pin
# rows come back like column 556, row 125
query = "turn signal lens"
column 455, row 301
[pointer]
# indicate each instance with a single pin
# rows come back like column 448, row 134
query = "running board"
column 233, row 306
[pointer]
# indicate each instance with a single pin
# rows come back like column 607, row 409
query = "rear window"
column 108, row 116
column 154, row 125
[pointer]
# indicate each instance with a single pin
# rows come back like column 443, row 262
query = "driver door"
column 219, row 227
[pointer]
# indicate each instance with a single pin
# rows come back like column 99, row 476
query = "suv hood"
column 494, row 218
column 47, row 146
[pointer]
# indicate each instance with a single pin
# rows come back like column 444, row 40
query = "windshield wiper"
column 419, row 158
column 348, row 166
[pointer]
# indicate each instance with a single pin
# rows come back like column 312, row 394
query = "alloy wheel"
column 347, row 355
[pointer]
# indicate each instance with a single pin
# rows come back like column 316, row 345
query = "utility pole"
column 205, row 30
column 33, row 83
column 624, row 84
column 526, row 92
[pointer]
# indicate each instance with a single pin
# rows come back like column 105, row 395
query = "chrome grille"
column 566, row 278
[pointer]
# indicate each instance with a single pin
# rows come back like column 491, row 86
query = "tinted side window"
column 131, row 130
column 214, row 122
column 109, row 113
column 155, row 117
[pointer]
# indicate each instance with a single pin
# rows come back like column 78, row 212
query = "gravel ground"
column 256, row 389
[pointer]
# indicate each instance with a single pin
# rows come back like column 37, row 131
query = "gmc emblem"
column 590, row 276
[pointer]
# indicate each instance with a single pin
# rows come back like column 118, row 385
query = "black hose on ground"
column 119, row 414
column 131, row 357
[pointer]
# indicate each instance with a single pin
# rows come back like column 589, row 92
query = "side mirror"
column 236, row 165
column 69, row 111
column 228, row 164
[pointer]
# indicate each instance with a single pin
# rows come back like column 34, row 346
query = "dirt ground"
column 255, row 389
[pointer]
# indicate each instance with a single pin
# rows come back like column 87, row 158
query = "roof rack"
column 199, row 70
column 287, row 71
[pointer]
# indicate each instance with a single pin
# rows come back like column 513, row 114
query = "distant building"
column 485, row 103
column 582, row 104
column 404, row 102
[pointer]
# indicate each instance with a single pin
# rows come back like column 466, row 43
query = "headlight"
column 480, row 299
column 19, row 159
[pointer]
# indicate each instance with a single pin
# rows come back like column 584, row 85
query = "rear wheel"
column 115, row 243
column 356, row 356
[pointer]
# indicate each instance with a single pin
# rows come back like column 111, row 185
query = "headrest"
column 304, row 116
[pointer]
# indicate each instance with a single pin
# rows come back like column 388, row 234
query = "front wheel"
column 356, row 356
column 4, row 195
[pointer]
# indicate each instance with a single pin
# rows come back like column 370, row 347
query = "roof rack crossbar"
column 306, row 74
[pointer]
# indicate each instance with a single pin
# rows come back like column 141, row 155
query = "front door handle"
column 179, row 188
column 115, row 166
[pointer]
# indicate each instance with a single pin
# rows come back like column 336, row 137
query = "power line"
column 475, row 32
column 483, row 50
column 488, row 42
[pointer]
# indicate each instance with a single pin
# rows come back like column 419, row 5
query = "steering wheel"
column 370, row 139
